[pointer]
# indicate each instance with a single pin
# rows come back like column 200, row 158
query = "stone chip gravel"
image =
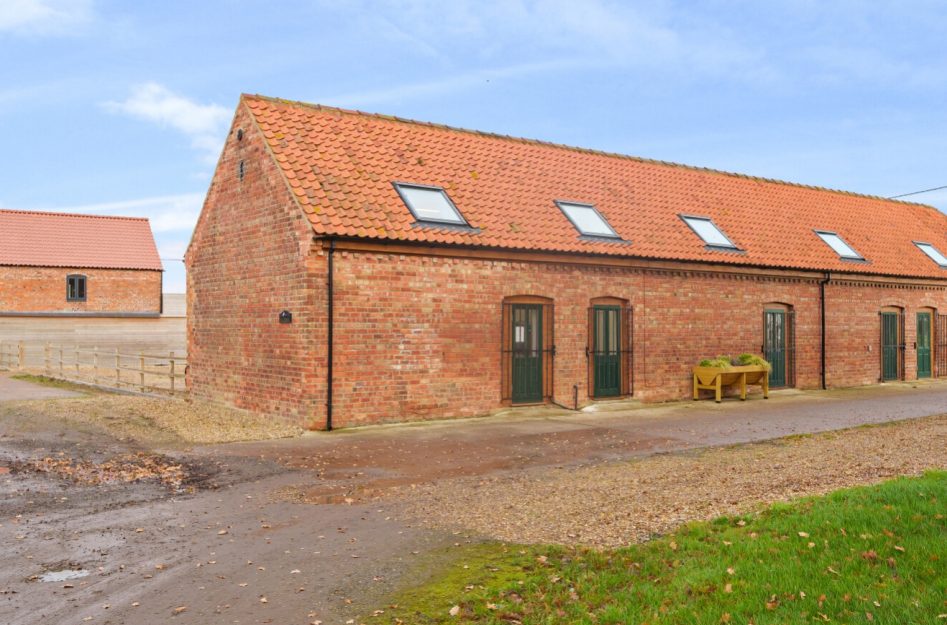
column 153, row 421
column 625, row 502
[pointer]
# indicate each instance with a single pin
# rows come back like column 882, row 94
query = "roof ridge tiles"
column 58, row 214
column 526, row 141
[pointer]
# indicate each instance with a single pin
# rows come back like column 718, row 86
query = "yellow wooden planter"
column 715, row 378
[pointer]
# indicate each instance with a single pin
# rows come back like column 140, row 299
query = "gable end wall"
column 249, row 259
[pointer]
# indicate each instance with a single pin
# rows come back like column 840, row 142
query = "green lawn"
column 864, row 555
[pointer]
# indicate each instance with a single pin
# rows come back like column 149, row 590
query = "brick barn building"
column 86, row 279
column 350, row 268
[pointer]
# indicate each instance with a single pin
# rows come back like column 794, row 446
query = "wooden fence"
column 141, row 372
column 12, row 354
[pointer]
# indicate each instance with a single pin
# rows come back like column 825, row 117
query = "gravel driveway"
column 225, row 532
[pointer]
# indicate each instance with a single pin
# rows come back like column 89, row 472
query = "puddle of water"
column 60, row 576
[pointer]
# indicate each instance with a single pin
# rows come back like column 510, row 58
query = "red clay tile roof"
column 38, row 239
column 340, row 165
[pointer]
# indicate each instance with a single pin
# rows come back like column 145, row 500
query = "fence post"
column 21, row 361
column 95, row 365
column 118, row 371
column 141, row 363
column 172, row 373
column 76, row 350
column 46, row 369
column 60, row 360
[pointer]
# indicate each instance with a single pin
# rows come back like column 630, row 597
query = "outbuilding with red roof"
column 350, row 268
column 63, row 265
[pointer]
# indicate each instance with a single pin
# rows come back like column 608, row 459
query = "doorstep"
column 612, row 405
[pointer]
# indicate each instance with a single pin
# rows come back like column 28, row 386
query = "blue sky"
column 121, row 107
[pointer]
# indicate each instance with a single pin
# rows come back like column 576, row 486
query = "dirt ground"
column 213, row 542
column 215, row 530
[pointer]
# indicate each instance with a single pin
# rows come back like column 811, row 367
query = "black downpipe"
column 330, row 333
column 828, row 277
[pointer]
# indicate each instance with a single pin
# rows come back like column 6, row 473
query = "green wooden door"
column 527, row 335
column 890, row 346
column 923, row 345
column 607, row 351
column 774, row 345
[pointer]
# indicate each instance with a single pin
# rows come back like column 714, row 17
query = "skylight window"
column 587, row 220
column 708, row 231
column 429, row 204
column 932, row 252
column 842, row 248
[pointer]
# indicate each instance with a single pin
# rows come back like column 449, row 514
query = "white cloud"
column 203, row 123
column 170, row 213
column 439, row 87
column 43, row 16
column 522, row 37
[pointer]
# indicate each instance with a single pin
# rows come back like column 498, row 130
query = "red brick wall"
column 419, row 337
column 43, row 289
column 853, row 337
column 249, row 259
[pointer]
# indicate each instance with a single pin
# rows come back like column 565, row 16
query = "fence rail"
column 12, row 354
column 146, row 373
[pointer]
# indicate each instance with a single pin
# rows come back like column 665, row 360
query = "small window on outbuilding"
column 75, row 288
column 933, row 254
column 707, row 230
column 843, row 249
column 586, row 219
column 429, row 204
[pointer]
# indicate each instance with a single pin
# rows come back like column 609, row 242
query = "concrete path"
column 366, row 461
column 15, row 390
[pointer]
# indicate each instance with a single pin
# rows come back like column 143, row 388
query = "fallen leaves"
column 454, row 611
column 124, row 468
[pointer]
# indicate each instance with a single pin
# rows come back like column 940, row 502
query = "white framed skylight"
column 707, row 230
column 586, row 219
column 933, row 253
column 429, row 204
column 836, row 242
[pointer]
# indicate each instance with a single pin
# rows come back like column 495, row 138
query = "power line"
column 917, row 192
column 177, row 259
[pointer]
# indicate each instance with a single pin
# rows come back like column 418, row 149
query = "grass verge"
column 42, row 380
column 864, row 555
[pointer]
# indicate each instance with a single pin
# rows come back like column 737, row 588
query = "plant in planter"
column 721, row 362
column 754, row 361
column 715, row 374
